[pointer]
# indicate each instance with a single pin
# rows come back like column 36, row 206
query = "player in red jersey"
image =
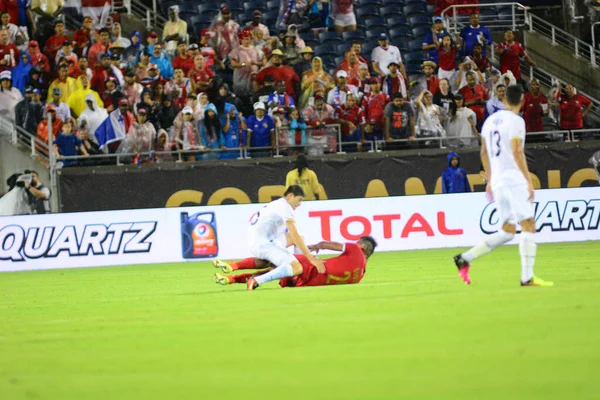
column 347, row 268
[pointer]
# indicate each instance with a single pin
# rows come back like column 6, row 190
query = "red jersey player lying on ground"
column 349, row 267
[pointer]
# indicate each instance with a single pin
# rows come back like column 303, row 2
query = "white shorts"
column 345, row 19
column 444, row 74
column 272, row 252
column 512, row 203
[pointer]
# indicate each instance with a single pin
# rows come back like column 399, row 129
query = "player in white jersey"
column 269, row 229
column 510, row 185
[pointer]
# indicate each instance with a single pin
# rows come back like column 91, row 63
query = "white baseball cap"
column 342, row 74
column 259, row 105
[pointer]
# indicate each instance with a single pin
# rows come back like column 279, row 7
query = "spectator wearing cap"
column 179, row 88
column 132, row 53
column 305, row 62
column 318, row 116
column 226, row 33
column 117, row 35
column 279, row 98
column 399, row 123
column 363, row 82
column 151, row 40
column 261, row 131
column 461, row 125
column 29, row 111
column 511, row 52
column 256, row 24
column 291, row 51
column 102, row 72
column 280, row 72
column 245, row 61
column 447, row 52
column 351, row 65
column 465, row 67
column 153, row 77
column 64, row 82
column 374, row 105
column 83, row 36
column 200, row 76
column 38, row 59
column 112, row 95
column 175, row 30
column 101, row 46
column 68, row 144
column 9, row 53
column 384, row 54
column 293, row 29
column 120, row 122
column 535, row 106
column 342, row 12
column 55, row 42
column 206, row 49
column 314, row 80
column 140, row 137
column 141, row 69
column 427, row 81
column 162, row 61
column 433, row 39
column 43, row 133
column 337, row 96
column 76, row 101
column 573, row 107
column 393, row 82
column 187, row 135
column 351, row 118
column 475, row 97
column 475, row 33
column 62, row 109
column 183, row 60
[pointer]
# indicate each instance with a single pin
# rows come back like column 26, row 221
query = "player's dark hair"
column 295, row 190
column 301, row 164
column 369, row 242
column 514, row 95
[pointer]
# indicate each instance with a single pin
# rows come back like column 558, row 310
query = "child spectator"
column 187, row 135
column 447, row 56
column 480, row 59
column 374, row 105
column 90, row 147
column 232, row 134
column 351, row 118
column 511, row 53
column 454, row 178
column 296, row 132
column 67, row 144
column 164, row 147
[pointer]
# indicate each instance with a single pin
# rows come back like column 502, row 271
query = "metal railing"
column 521, row 17
column 154, row 20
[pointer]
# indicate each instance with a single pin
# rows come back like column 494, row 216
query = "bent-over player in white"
column 267, row 235
column 510, row 185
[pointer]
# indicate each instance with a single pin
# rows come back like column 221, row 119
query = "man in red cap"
column 183, row 59
column 209, row 54
column 9, row 53
column 55, row 42
column 279, row 72
column 374, row 105
column 83, row 36
column 226, row 33
column 42, row 129
column 101, row 46
column 151, row 40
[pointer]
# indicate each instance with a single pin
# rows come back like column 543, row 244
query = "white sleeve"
column 46, row 192
column 519, row 131
column 374, row 56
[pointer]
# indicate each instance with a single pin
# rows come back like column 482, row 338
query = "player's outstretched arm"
column 299, row 242
column 335, row 246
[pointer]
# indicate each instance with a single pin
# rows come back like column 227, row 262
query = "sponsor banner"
column 342, row 177
column 204, row 233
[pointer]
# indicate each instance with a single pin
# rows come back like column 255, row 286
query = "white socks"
column 527, row 250
column 492, row 241
column 282, row 271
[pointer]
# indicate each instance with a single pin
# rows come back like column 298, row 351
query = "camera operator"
column 38, row 194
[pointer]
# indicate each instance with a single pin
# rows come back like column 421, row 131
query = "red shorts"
column 310, row 275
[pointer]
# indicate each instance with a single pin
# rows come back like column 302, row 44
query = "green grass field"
column 410, row 330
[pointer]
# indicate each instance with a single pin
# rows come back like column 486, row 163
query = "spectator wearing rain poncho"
column 140, row 137
column 210, row 133
column 175, row 30
column 21, row 72
column 93, row 115
column 187, row 135
column 9, row 96
column 132, row 53
column 233, row 131
column 76, row 101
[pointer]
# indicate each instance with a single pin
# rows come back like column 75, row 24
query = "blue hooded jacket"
column 20, row 74
column 454, row 180
column 164, row 65
column 234, row 137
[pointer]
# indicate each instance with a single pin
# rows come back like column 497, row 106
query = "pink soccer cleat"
column 463, row 269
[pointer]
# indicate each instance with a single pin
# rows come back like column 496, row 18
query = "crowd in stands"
column 197, row 94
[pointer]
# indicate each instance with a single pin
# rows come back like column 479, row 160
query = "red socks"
column 242, row 278
column 247, row 263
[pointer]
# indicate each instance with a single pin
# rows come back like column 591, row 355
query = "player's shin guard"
column 282, row 271
column 489, row 244
column 527, row 250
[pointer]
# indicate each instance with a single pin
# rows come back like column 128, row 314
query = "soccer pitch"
column 410, row 330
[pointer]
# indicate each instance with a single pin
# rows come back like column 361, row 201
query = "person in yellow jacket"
column 305, row 178
column 77, row 100
column 65, row 83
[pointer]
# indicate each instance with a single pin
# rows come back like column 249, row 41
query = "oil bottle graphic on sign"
column 199, row 235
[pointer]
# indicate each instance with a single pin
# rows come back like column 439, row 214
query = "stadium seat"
column 188, row 8
column 308, row 36
column 328, row 61
column 250, row 6
column 401, row 45
column 207, row 8
column 273, row 5
column 364, row 13
column 430, row 9
column 374, row 23
column 373, row 34
column 420, row 2
column 415, row 45
column 164, row 8
column 352, row 36
column 396, row 3
column 420, row 31
column 339, row 60
column 401, row 34
column 236, row 7
column 397, row 22
column 414, row 58
column 415, row 9
column 366, row 3
column 420, row 20
column 324, row 50
column 329, row 37
column 413, row 69
column 367, row 48
column 390, row 11
column 343, row 48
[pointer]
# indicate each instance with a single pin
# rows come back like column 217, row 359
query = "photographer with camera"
column 38, row 194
